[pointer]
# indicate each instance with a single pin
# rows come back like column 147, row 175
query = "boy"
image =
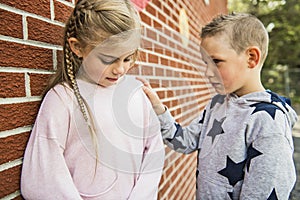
column 244, row 136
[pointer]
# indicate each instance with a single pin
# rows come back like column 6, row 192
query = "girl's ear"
column 254, row 56
column 75, row 46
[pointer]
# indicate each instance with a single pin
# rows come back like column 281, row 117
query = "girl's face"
column 106, row 69
column 231, row 65
column 111, row 59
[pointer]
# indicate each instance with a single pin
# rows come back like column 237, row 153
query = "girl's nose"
column 118, row 68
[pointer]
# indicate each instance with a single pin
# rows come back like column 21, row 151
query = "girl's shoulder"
column 60, row 93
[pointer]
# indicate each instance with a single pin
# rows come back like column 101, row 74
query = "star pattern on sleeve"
column 276, row 98
column 176, row 141
column 216, row 129
column 273, row 195
column 234, row 172
column 217, row 99
column 267, row 107
column 201, row 121
column 230, row 194
column 251, row 153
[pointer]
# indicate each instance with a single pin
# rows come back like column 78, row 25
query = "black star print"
column 267, row 107
column 216, row 129
column 277, row 98
column 203, row 116
column 230, row 194
column 273, row 195
column 175, row 141
column 217, row 99
column 251, row 153
column 233, row 171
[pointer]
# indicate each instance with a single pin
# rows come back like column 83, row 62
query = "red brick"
column 151, row 10
column 158, row 49
column 134, row 70
column 11, row 24
column 40, row 7
column 157, row 25
column 142, row 57
column 164, row 61
column 10, row 180
column 18, row 198
column 159, row 72
column 147, row 70
column 12, row 85
column 62, row 11
column 146, row 44
column 152, row 58
column 12, row 147
column 161, row 94
column 157, row 3
column 18, row 115
column 44, row 32
column 59, row 59
column 25, row 56
column 145, row 18
column 38, row 83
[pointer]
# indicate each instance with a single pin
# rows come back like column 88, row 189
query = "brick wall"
column 30, row 50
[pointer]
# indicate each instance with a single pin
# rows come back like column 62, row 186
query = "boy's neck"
column 254, row 88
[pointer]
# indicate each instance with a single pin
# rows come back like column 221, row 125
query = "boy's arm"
column 181, row 139
column 269, row 170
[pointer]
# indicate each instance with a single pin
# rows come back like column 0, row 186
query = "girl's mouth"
column 112, row 79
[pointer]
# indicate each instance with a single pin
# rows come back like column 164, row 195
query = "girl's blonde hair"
column 92, row 22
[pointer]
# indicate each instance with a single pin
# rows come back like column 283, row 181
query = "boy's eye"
column 216, row 61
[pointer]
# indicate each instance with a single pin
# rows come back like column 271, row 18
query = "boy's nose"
column 209, row 72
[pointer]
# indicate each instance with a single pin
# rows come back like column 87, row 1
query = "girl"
column 95, row 136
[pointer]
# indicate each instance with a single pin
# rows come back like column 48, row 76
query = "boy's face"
column 231, row 65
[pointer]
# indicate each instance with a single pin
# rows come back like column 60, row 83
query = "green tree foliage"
column 281, row 71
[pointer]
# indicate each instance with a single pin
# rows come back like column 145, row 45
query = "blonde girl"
column 96, row 135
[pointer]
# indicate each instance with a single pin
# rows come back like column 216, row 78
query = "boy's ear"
column 254, row 56
column 75, row 46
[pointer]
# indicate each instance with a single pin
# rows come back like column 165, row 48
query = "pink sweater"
column 60, row 160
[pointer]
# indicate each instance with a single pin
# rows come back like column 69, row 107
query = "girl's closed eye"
column 107, row 60
column 128, row 59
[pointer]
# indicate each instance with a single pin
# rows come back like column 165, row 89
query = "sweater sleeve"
column 45, row 174
column 269, row 170
column 147, row 182
column 181, row 139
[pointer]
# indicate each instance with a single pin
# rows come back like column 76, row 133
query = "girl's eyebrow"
column 112, row 57
column 108, row 56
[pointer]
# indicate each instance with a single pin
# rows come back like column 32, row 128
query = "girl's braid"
column 73, row 63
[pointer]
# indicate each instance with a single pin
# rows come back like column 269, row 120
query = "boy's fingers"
column 146, row 83
column 148, row 92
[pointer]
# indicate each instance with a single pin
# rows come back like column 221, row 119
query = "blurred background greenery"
column 281, row 72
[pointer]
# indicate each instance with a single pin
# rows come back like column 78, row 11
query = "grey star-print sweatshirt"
column 245, row 146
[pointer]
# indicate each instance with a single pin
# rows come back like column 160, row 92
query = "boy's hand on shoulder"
column 158, row 107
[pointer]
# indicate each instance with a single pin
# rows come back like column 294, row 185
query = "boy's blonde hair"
column 243, row 30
